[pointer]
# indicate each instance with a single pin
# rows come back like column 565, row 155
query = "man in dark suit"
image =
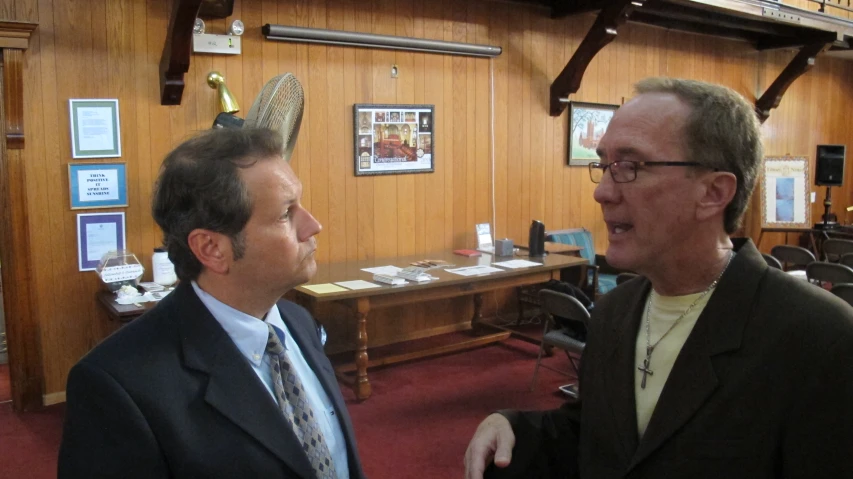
column 222, row 378
column 710, row 365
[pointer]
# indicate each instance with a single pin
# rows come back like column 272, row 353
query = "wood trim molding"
column 22, row 329
column 13, row 97
column 14, row 39
column 16, row 34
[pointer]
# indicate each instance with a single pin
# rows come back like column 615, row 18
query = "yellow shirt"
column 665, row 310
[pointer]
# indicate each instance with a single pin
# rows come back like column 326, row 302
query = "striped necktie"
column 294, row 405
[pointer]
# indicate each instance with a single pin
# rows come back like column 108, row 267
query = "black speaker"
column 830, row 165
column 536, row 244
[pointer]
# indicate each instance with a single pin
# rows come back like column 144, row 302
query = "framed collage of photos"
column 393, row 139
column 785, row 192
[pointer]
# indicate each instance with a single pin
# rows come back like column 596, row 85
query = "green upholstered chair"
column 597, row 277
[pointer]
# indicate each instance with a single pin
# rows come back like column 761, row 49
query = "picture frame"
column 97, row 185
column 95, row 128
column 393, row 139
column 784, row 189
column 97, row 234
column 587, row 124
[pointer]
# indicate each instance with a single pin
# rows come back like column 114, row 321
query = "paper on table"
column 474, row 270
column 324, row 288
column 389, row 270
column 517, row 263
column 358, row 284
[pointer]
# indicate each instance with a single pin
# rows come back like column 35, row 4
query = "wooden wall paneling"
column 498, row 35
column 385, row 202
column 338, row 150
column 350, row 89
column 456, row 133
column 514, row 52
column 433, row 94
column 538, row 123
column 365, row 184
column 319, row 126
column 404, row 91
column 418, row 85
column 443, row 128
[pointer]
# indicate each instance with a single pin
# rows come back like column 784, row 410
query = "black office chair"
column 844, row 291
column 846, row 260
column 832, row 273
column 559, row 309
column 792, row 256
column 771, row 261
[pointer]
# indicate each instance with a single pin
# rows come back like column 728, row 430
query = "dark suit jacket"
column 763, row 388
column 169, row 395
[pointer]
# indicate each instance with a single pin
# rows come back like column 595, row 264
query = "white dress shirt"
column 250, row 335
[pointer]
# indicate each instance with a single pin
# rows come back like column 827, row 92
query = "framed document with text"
column 98, row 234
column 95, row 129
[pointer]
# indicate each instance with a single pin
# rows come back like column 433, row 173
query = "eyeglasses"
column 626, row 171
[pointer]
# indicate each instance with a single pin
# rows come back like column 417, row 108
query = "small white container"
column 163, row 269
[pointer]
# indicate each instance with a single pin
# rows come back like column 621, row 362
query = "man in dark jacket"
column 222, row 378
column 711, row 365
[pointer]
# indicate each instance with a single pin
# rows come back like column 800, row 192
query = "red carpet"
column 5, row 386
column 416, row 425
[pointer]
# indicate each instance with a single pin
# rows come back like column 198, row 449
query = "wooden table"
column 448, row 285
column 558, row 248
column 122, row 312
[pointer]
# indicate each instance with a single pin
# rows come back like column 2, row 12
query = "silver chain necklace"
column 650, row 348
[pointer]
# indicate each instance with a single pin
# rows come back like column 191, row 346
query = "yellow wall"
column 112, row 48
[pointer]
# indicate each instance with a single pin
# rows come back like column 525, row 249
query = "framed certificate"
column 97, row 234
column 785, row 192
column 101, row 185
column 95, row 130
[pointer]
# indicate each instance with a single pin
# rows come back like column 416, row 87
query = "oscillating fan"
column 279, row 107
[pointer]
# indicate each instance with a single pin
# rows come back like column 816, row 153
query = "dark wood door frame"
column 22, row 328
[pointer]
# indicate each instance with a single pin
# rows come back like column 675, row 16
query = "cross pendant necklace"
column 645, row 367
column 651, row 347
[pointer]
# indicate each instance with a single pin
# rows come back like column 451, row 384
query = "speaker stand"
column 829, row 219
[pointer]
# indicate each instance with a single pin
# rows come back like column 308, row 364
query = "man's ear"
column 718, row 191
column 213, row 250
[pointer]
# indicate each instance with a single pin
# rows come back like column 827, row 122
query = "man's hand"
column 493, row 439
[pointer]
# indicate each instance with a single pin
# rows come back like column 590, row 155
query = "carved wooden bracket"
column 175, row 60
column 14, row 39
column 602, row 32
column 801, row 63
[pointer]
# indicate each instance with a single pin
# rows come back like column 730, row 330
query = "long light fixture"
column 369, row 40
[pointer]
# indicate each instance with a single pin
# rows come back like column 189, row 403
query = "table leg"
column 361, row 387
column 477, row 319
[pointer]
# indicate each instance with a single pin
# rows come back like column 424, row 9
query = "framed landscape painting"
column 587, row 124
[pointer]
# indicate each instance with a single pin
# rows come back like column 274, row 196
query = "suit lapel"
column 619, row 382
column 233, row 388
column 718, row 330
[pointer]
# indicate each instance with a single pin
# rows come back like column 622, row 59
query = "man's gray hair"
column 721, row 132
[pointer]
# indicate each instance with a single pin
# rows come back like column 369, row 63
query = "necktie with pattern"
column 294, row 405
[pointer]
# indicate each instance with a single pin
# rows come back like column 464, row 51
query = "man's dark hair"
column 200, row 187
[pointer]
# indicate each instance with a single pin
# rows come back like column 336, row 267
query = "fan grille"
column 279, row 107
